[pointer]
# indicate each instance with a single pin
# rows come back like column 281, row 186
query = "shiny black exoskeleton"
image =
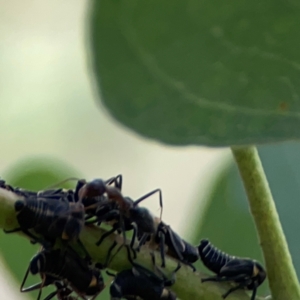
column 141, row 283
column 120, row 210
column 245, row 272
column 175, row 246
column 56, row 265
column 62, row 292
column 128, row 215
column 91, row 193
column 48, row 215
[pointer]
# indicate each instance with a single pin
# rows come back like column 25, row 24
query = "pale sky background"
column 48, row 109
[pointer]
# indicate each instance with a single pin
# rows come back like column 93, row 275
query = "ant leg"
column 108, row 260
column 213, row 278
column 253, row 294
column 124, row 239
column 79, row 185
column 172, row 280
column 223, row 279
column 87, row 255
column 142, row 241
column 156, row 267
column 51, row 295
column 134, row 227
column 129, row 255
column 108, row 233
column 110, row 274
column 42, row 285
column 161, row 236
column 24, row 280
column 167, row 282
column 32, row 287
column 136, row 202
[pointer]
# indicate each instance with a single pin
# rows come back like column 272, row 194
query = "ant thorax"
column 144, row 219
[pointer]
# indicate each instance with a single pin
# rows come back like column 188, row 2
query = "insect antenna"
column 136, row 202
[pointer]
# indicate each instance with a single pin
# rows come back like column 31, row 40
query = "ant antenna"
column 61, row 182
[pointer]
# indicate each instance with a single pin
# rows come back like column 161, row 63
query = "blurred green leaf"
column 40, row 172
column 227, row 222
column 200, row 72
column 33, row 174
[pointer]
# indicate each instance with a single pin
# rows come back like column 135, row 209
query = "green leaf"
column 200, row 72
column 226, row 220
column 33, row 174
column 37, row 173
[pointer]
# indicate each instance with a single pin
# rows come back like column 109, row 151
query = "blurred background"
column 51, row 122
column 52, row 128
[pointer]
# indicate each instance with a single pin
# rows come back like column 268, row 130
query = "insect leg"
column 134, row 227
column 142, row 241
column 108, row 233
column 40, row 291
column 87, row 255
column 24, row 280
column 12, row 230
column 232, row 290
column 213, row 278
column 167, row 282
column 161, row 236
column 254, row 293
column 51, row 295
column 110, row 274
column 107, row 260
column 217, row 278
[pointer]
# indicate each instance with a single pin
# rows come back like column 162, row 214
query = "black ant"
column 129, row 215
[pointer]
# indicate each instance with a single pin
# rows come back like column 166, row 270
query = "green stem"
column 188, row 284
column 281, row 273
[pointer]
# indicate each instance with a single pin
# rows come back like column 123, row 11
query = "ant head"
column 93, row 188
column 19, row 205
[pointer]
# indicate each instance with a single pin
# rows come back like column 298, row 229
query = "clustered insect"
column 57, row 216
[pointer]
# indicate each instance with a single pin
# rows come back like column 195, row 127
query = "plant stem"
column 281, row 273
column 188, row 284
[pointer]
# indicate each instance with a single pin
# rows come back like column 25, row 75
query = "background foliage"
column 218, row 73
column 229, row 76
